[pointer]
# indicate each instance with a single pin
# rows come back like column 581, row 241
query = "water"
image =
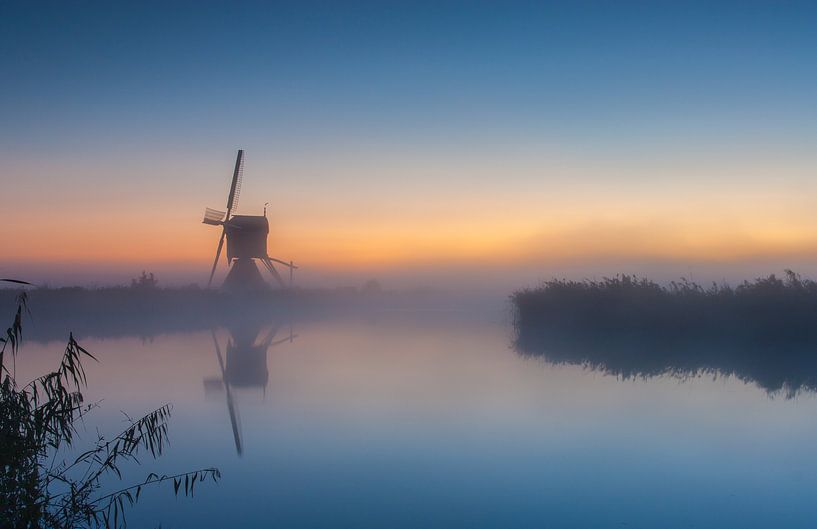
column 432, row 419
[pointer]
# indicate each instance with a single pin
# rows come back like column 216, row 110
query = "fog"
column 475, row 276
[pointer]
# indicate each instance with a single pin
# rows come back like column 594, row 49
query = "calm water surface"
column 431, row 419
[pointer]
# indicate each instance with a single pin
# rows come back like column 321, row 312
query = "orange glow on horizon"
column 386, row 226
column 393, row 244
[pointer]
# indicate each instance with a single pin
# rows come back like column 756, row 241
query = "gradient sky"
column 418, row 143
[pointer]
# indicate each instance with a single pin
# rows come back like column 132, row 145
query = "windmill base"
column 243, row 277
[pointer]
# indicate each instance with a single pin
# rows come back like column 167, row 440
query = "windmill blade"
column 289, row 264
column 213, row 216
column 218, row 254
column 274, row 272
column 270, row 335
column 235, row 186
column 218, row 354
column 283, row 340
column 270, row 341
column 234, row 421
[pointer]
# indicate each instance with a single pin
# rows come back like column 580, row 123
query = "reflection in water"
column 407, row 420
column 774, row 359
column 245, row 366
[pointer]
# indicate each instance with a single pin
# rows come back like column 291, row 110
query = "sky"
column 419, row 143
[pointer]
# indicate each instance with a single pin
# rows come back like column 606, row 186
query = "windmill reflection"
column 243, row 366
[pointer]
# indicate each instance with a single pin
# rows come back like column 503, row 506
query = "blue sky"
column 577, row 71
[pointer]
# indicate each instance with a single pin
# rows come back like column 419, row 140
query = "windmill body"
column 246, row 237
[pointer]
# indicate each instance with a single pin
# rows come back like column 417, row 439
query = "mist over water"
column 458, row 278
column 405, row 413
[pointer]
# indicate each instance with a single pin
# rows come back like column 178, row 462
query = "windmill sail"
column 231, row 408
column 235, row 186
column 289, row 264
column 213, row 216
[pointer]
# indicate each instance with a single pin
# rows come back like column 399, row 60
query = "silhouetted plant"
column 146, row 281
column 38, row 421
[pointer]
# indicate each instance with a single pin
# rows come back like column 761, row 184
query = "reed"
column 40, row 485
column 763, row 331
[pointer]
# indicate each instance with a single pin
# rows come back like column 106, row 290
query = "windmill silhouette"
column 246, row 241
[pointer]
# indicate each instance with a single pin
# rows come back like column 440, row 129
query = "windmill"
column 246, row 241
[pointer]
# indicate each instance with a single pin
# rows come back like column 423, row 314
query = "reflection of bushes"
column 764, row 331
column 40, row 486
